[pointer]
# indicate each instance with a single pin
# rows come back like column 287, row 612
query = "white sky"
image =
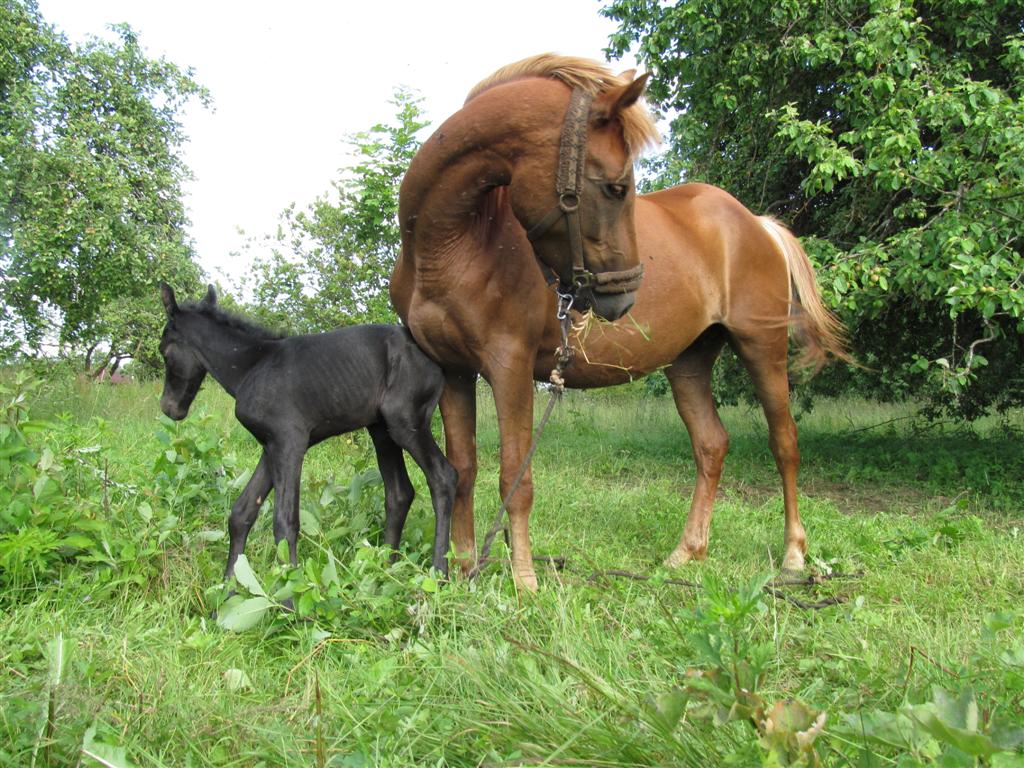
column 291, row 81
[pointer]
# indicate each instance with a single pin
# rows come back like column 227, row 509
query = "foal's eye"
column 616, row 191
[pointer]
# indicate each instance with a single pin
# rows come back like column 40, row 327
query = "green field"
column 112, row 545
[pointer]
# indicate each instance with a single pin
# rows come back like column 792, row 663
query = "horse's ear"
column 612, row 102
column 167, row 296
column 211, row 296
column 628, row 75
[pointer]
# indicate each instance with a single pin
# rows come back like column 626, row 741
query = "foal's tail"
column 818, row 331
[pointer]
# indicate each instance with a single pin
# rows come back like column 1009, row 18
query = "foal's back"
column 326, row 384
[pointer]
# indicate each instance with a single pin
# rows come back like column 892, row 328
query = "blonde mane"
column 638, row 128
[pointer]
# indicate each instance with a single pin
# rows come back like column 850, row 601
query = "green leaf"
column 329, row 574
column 237, row 680
column 145, row 511
column 238, row 615
column 668, row 708
column 283, row 553
column 101, row 753
column 953, row 721
column 246, row 578
column 309, row 522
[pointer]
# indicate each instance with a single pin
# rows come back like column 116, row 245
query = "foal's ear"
column 211, row 296
column 612, row 102
column 167, row 296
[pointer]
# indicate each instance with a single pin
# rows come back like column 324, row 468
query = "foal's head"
column 183, row 370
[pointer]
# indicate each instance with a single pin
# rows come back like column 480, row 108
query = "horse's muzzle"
column 611, row 306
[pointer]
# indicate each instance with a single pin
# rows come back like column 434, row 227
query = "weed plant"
column 119, row 645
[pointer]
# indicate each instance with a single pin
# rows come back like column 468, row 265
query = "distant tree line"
column 887, row 135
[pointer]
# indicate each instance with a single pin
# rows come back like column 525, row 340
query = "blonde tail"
column 818, row 331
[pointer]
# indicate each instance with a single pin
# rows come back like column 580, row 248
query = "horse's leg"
column 690, row 378
column 513, row 399
column 458, row 412
column 286, row 455
column 764, row 353
column 245, row 509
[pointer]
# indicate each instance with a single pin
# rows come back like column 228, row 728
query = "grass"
column 925, row 522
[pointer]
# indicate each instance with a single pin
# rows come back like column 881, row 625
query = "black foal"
column 292, row 392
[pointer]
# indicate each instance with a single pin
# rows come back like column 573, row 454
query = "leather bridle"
column 572, row 156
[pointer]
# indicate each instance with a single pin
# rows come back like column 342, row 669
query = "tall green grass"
column 919, row 525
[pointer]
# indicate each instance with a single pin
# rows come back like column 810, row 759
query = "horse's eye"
column 616, row 191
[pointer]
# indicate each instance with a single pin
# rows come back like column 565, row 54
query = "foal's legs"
column 413, row 434
column 245, row 509
column 458, row 412
column 286, row 454
column 764, row 352
column 690, row 377
column 398, row 490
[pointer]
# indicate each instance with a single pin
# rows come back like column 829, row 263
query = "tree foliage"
column 888, row 134
column 329, row 264
column 91, row 215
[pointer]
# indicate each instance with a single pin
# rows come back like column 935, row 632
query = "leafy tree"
column 888, row 134
column 329, row 265
column 90, row 179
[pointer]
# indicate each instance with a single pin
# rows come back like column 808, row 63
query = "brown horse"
column 470, row 288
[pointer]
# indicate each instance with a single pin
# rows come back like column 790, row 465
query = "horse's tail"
column 818, row 331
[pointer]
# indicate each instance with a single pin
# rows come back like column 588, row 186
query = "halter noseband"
column 572, row 154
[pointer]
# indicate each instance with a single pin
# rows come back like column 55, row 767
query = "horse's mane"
column 638, row 127
column 231, row 320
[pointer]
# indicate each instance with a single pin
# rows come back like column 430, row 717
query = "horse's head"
column 579, row 211
column 183, row 370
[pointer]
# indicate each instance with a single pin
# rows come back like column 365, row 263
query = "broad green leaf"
column 953, row 721
column 237, row 680
column 309, row 522
column 99, row 752
column 668, row 708
column 245, row 577
column 329, row 574
column 238, row 615
column 283, row 555
column 145, row 511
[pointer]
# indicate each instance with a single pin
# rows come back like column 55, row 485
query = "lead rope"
column 563, row 356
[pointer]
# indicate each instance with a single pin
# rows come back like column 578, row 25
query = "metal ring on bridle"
column 569, row 202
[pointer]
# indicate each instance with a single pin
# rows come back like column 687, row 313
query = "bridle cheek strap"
column 572, row 153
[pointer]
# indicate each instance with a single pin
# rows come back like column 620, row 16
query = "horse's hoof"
column 525, row 579
column 793, row 562
column 681, row 556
